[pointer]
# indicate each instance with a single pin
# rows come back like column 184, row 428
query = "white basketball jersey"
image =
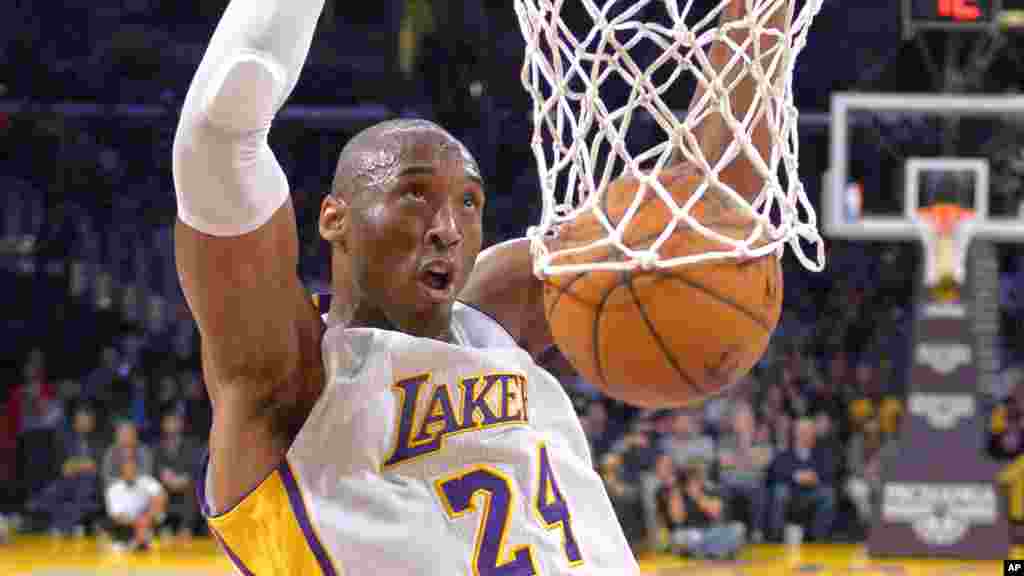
column 428, row 458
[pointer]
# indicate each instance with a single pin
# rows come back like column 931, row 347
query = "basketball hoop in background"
column 580, row 136
column 946, row 234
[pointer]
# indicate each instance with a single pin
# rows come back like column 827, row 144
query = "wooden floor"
column 42, row 555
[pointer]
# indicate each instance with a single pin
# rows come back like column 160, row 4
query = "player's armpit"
column 503, row 286
column 256, row 321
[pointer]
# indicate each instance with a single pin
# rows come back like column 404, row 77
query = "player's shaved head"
column 378, row 156
column 405, row 222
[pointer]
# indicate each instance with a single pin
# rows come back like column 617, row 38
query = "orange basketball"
column 668, row 337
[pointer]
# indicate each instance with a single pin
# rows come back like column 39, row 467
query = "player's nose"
column 444, row 231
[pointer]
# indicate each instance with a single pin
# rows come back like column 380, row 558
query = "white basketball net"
column 580, row 140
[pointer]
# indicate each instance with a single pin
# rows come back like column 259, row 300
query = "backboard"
column 940, row 170
column 893, row 154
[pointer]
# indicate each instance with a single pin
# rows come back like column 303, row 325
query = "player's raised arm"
column 713, row 135
column 503, row 283
column 236, row 243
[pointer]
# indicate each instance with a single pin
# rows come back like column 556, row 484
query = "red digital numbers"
column 959, row 10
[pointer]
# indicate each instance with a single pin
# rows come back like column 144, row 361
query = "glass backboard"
column 896, row 153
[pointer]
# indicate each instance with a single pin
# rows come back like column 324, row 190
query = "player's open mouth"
column 436, row 279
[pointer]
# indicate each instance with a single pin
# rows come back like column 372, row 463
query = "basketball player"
column 409, row 430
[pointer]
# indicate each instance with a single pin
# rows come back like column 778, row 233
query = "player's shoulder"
column 480, row 329
column 347, row 350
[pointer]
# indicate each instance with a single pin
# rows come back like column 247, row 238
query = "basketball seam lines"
column 618, row 257
column 597, row 334
column 723, row 299
column 658, row 339
column 626, row 279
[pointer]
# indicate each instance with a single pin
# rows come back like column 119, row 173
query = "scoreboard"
column 957, row 14
column 953, row 12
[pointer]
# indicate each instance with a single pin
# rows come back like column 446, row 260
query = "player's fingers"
column 673, row 174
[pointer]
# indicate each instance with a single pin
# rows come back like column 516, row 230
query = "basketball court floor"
column 44, row 556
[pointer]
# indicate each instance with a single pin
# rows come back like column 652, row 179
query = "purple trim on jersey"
column 231, row 555
column 204, row 506
column 299, row 509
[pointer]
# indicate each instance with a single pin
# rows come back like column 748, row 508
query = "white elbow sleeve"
column 243, row 94
column 226, row 178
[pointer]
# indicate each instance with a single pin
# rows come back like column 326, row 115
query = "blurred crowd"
column 791, row 452
column 103, row 412
column 794, row 452
column 111, row 453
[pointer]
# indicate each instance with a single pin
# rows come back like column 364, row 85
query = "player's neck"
column 366, row 316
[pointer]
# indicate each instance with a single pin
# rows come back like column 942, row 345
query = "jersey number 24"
column 492, row 555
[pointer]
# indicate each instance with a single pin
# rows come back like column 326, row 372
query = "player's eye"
column 469, row 200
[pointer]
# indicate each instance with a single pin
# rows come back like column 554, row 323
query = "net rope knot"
column 594, row 87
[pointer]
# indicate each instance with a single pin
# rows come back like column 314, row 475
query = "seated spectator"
column 126, row 441
column 685, row 442
column 695, row 516
column 73, row 498
column 1006, row 434
column 864, row 484
column 135, row 505
column 828, row 441
column 782, row 433
column 595, row 426
column 743, row 458
column 177, row 457
column 802, row 479
column 36, row 412
column 791, row 386
column 626, row 499
column 637, row 453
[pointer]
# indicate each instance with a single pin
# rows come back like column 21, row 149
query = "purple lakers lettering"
column 481, row 402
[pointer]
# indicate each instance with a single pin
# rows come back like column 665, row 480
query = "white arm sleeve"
column 226, row 178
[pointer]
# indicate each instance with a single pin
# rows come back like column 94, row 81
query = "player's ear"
column 334, row 219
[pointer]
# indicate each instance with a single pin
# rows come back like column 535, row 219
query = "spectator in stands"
column 99, row 383
column 792, row 386
column 802, row 484
column 177, row 458
column 686, row 443
column 864, row 401
column 774, row 417
column 743, row 458
column 126, row 442
column 696, row 517
column 828, row 441
column 135, row 504
column 864, row 484
column 626, row 499
column 782, row 432
column 637, row 450
column 36, row 413
column 1006, row 433
column 595, row 426
column 828, row 395
column 73, row 499
column 717, row 411
column 198, row 414
column 35, row 402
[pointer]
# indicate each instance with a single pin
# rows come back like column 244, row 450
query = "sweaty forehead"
column 379, row 158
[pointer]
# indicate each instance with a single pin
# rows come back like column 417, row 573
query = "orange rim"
column 945, row 216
